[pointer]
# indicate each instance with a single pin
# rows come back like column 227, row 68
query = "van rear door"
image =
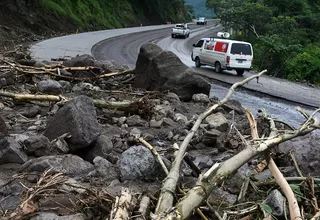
column 241, row 55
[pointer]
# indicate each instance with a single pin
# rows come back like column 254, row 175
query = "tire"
column 197, row 62
column 172, row 35
column 218, row 67
column 240, row 72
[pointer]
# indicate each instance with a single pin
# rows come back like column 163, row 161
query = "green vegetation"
column 104, row 14
column 285, row 34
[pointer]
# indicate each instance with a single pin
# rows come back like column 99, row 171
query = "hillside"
column 25, row 20
column 199, row 7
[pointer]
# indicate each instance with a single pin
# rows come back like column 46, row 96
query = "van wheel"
column 172, row 35
column 240, row 72
column 197, row 62
column 218, row 67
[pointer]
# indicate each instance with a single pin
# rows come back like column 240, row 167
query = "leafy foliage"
column 285, row 34
column 101, row 14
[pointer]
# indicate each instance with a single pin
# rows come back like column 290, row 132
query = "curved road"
column 123, row 45
column 125, row 49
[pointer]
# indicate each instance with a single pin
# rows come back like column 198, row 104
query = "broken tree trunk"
column 121, row 105
column 167, row 192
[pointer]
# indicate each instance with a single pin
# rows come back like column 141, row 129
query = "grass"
column 94, row 14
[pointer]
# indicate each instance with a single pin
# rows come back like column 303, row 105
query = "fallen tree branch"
column 199, row 193
column 122, row 105
column 276, row 173
column 290, row 179
column 55, row 71
column 167, row 192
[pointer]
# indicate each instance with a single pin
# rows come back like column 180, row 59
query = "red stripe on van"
column 221, row 47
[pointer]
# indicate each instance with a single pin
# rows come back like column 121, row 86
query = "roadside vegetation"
column 104, row 14
column 285, row 34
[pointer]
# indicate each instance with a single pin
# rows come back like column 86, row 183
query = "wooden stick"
column 123, row 206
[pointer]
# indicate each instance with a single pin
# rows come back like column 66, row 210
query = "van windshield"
column 238, row 48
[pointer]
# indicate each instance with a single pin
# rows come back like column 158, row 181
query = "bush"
column 306, row 65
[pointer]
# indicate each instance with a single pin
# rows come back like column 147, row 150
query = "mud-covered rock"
column 37, row 145
column 50, row 87
column 11, row 151
column 138, row 163
column 67, row 164
column 217, row 121
column 78, row 118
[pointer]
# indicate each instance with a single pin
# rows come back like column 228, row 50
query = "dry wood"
column 290, row 179
column 167, row 192
column 199, row 193
column 121, row 105
column 143, row 208
column 295, row 164
column 123, row 206
column 54, row 71
column 276, row 173
column 156, row 154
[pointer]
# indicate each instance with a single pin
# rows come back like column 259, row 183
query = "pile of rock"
column 98, row 149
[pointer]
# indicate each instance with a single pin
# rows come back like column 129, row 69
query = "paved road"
column 125, row 50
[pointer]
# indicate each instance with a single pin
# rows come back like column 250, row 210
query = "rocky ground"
column 70, row 140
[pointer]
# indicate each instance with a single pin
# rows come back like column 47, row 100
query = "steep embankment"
column 26, row 20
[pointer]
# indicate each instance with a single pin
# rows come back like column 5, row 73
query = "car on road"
column 202, row 20
column 223, row 54
column 180, row 30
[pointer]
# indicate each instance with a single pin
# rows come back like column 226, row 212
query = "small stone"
column 217, row 121
column 156, row 124
column 200, row 98
column 181, row 118
column 276, row 201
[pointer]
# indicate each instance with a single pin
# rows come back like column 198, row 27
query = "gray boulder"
column 163, row 70
column 50, row 87
column 138, row 163
column 77, row 117
column 11, row 151
column 37, row 145
column 67, row 164
column 307, row 151
column 102, row 148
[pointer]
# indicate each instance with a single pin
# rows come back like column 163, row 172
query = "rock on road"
column 123, row 46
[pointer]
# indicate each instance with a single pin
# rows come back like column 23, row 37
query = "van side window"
column 199, row 44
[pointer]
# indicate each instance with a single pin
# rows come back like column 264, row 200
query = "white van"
column 223, row 54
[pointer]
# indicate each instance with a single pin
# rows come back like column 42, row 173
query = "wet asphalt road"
column 279, row 97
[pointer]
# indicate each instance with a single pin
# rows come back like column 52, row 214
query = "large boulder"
column 78, row 118
column 306, row 151
column 66, row 164
column 163, row 70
